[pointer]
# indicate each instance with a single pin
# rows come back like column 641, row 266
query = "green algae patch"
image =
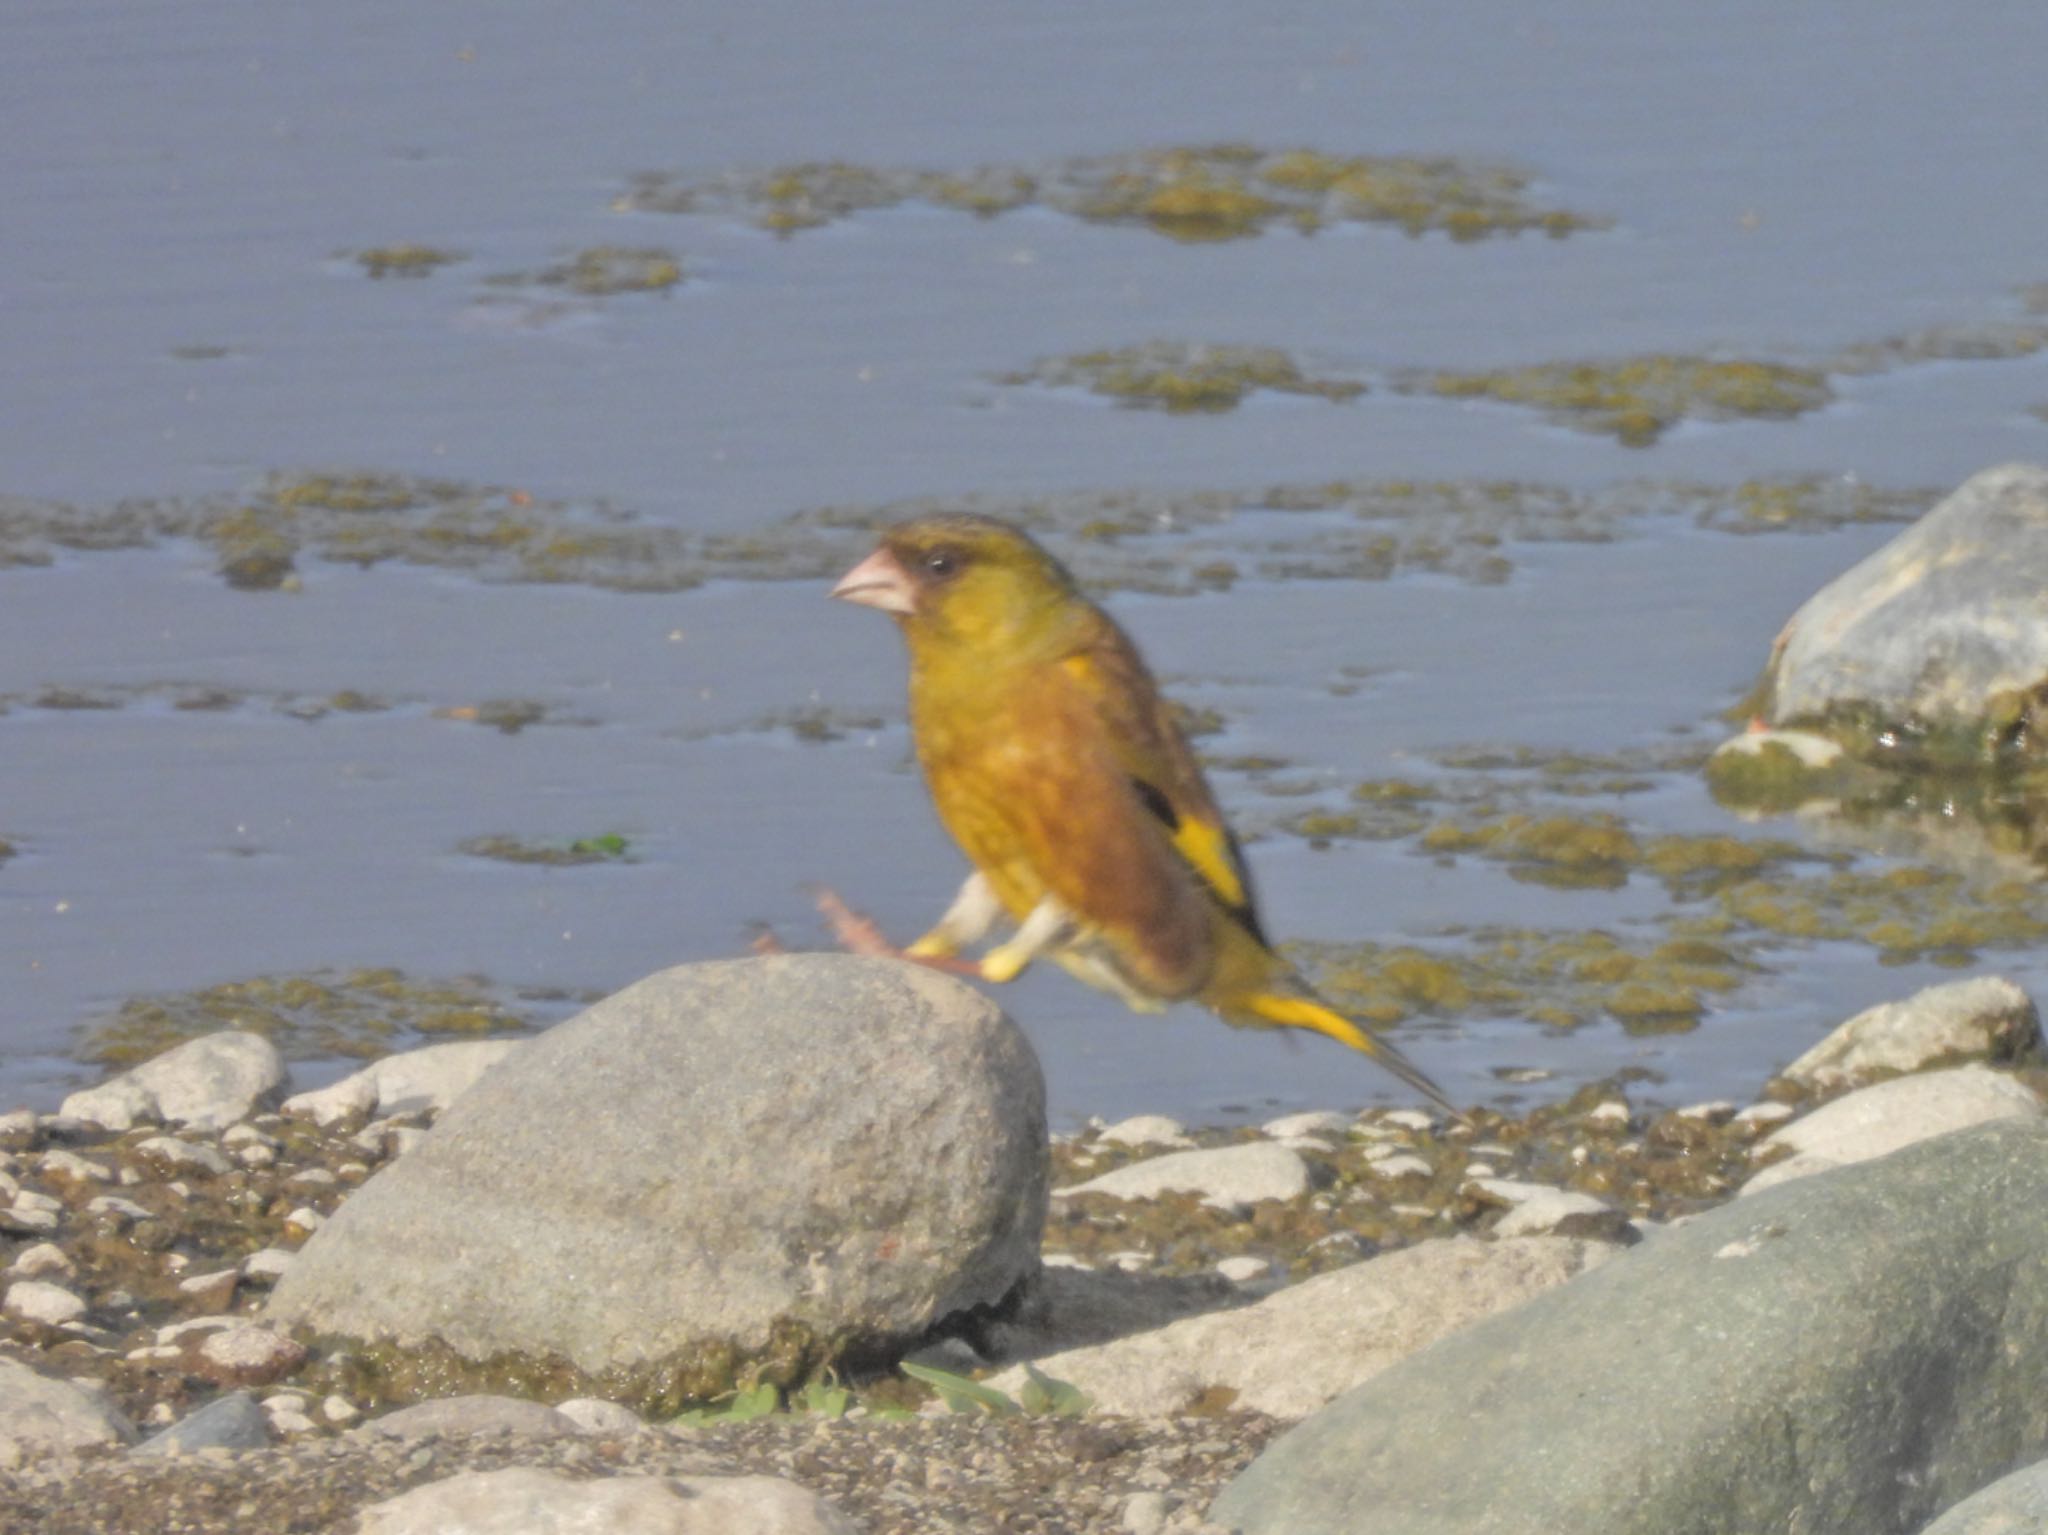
column 1165, row 542
column 1183, row 377
column 1771, row 776
column 1558, row 978
column 1907, row 913
column 197, row 698
column 1636, row 400
column 609, row 848
column 807, row 724
column 359, row 1013
column 380, row 1373
column 603, row 271
column 404, row 260
column 1601, row 851
column 1195, row 194
column 1568, row 852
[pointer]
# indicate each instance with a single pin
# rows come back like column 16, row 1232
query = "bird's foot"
column 858, row 933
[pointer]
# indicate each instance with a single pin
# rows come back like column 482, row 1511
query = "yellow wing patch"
column 1207, row 848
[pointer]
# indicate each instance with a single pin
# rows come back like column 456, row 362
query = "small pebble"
column 1146, row 1130
column 1417, row 1120
column 39, row 1259
column 1144, row 1513
column 1762, row 1116
column 37, row 1300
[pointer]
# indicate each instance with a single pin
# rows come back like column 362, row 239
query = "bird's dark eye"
column 942, row 563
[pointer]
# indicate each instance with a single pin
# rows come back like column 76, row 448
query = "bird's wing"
column 1147, row 743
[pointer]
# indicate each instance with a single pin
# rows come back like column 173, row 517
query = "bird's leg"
column 967, row 920
column 858, row 933
column 1048, row 923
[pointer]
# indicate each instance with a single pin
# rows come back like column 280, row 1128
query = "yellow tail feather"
column 1309, row 1013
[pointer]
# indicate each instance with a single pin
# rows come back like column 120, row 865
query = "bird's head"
column 965, row 579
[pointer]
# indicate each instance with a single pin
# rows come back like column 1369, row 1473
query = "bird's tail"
column 1303, row 1011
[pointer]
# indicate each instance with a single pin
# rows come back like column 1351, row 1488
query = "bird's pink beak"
column 879, row 581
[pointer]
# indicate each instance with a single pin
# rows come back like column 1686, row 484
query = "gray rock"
column 2012, row 1505
column 1849, row 1352
column 1874, row 1121
column 40, row 1414
column 231, row 1422
column 523, row 1501
column 456, row 1415
column 1295, row 1350
column 1225, row 1176
column 855, row 1146
column 205, row 1083
column 1937, row 623
column 424, row 1080
column 1986, row 1016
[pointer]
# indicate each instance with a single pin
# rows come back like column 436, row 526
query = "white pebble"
column 1243, row 1269
column 1761, row 1115
column 1714, row 1111
column 1402, row 1164
column 70, row 1165
column 41, row 1258
column 1144, row 1513
column 1417, row 1120
column 339, row 1410
column 1147, row 1130
column 1314, row 1122
column 36, row 1300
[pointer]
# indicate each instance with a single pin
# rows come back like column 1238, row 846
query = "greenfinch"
column 1059, row 768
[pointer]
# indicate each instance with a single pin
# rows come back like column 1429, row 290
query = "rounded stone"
column 853, row 1147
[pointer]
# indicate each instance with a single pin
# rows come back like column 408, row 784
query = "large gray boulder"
column 1854, row 1351
column 842, row 1149
column 2012, row 1505
column 1937, row 624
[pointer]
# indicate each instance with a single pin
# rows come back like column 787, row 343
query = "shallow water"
column 180, row 317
